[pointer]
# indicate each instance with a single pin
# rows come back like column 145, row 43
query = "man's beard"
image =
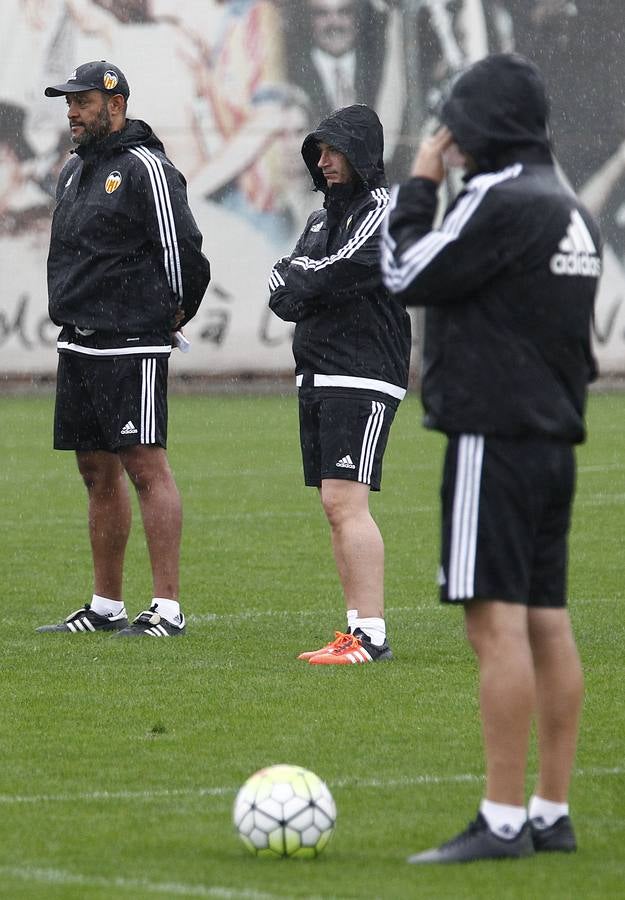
column 97, row 130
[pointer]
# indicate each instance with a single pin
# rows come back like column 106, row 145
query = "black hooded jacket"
column 351, row 334
column 125, row 251
column 509, row 277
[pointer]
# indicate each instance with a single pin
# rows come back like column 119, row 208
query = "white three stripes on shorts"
column 370, row 441
column 461, row 575
column 148, row 411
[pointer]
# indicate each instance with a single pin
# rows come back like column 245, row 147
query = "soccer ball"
column 284, row 811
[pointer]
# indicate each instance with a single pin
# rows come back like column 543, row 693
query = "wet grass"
column 121, row 759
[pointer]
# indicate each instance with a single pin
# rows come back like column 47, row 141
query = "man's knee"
column 550, row 629
column 344, row 500
column 333, row 506
column 99, row 470
column 146, row 465
column 494, row 626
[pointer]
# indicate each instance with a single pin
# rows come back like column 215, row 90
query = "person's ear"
column 117, row 105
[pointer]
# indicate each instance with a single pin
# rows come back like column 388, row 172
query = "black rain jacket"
column 351, row 333
column 509, row 278
column 125, row 251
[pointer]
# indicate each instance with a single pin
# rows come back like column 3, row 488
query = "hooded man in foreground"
column 352, row 351
column 508, row 281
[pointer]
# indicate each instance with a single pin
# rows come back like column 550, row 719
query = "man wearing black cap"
column 125, row 270
column 508, row 281
column 352, row 349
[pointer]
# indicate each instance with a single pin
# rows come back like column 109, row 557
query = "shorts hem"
column 515, row 601
column 335, row 476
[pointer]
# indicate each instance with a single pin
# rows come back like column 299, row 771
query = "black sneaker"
column 86, row 621
column 479, row 842
column 559, row 836
column 152, row 624
column 353, row 649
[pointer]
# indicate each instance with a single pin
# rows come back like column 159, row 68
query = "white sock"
column 167, row 609
column 105, row 607
column 503, row 820
column 546, row 810
column 352, row 615
column 374, row 628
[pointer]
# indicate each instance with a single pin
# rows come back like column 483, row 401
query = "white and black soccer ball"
column 284, row 811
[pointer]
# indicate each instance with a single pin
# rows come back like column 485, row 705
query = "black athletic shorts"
column 111, row 402
column 343, row 437
column 506, row 513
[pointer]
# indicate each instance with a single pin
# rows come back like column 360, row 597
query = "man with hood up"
column 352, row 351
column 508, row 281
column 125, row 270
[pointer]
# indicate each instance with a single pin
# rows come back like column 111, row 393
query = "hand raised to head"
column 428, row 162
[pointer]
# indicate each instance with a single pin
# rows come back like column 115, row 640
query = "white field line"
column 360, row 783
column 433, row 606
column 175, row 889
column 200, row 516
column 293, row 514
column 251, row 614
column 132, row 885
column 191, row 515
column 608, row 467
column 603, row 499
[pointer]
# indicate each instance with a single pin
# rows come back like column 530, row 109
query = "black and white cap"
column 93, row 76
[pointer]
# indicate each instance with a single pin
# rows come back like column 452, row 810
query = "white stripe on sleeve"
column 165, row 217
column 398, row 274
column 366, row 229
column 275, row 280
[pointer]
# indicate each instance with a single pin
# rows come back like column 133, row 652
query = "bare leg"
column 498, row 633
column 109, row 518
column 357, row 545
column 559, row 689
column 161, row 511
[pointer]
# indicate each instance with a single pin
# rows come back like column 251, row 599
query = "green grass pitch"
column 121, row 759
